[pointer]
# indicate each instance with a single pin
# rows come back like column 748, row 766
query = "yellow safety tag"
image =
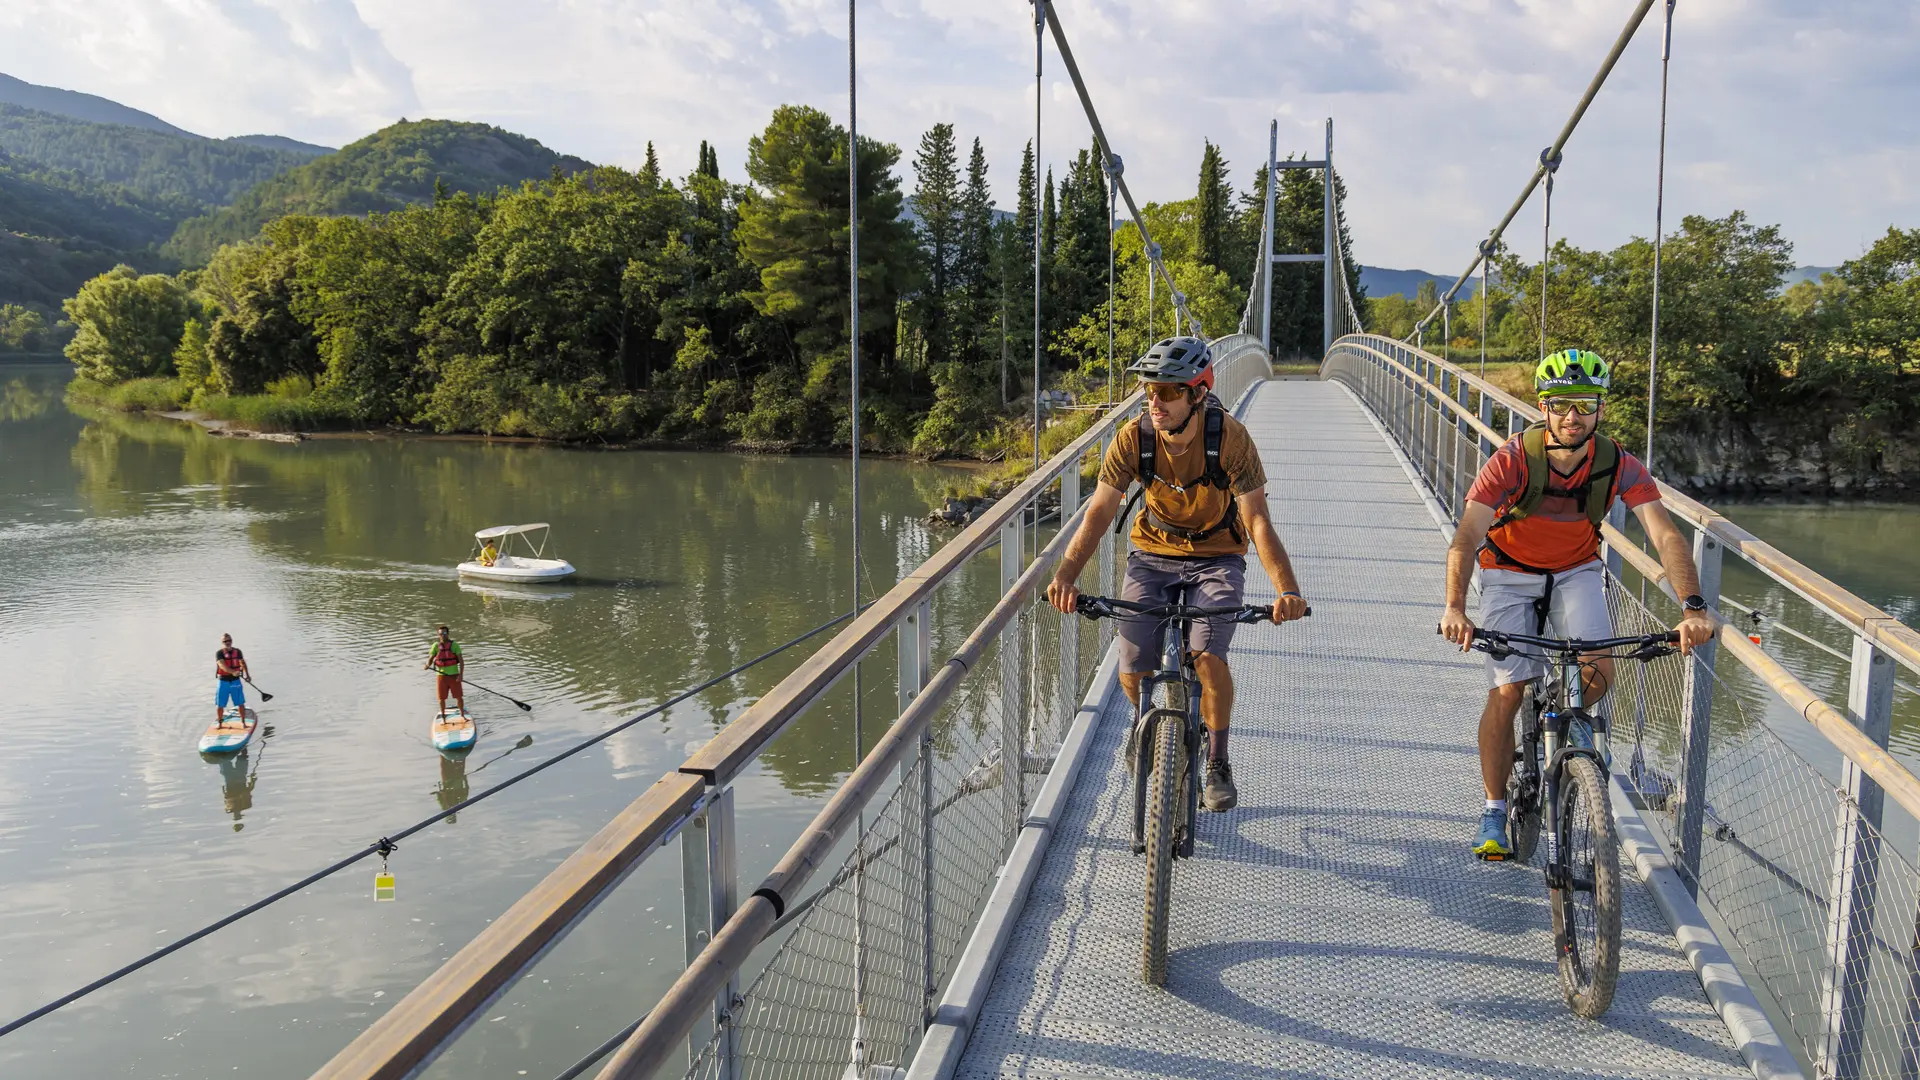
column 383, row 886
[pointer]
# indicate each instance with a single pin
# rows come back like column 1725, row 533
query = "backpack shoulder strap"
column 1216, row 474
column 1533, row 455
column 1603, row 479
column 1145, row 449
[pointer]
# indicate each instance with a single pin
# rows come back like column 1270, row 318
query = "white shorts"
column 1579, row 611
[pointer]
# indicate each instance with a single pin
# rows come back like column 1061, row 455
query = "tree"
column 22, row 329
column 258, row 337
column 964, row 387
column 936, row 201
column 1215, row 222
column 651, row 170
column 795, row 235
column 191, row 362
column 126, row 325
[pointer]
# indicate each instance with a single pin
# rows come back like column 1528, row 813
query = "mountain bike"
column 1164, row 749
column 1559, row 787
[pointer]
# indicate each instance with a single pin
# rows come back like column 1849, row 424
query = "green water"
column 129, row 545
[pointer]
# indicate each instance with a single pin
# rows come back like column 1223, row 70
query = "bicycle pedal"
column 1491, row 856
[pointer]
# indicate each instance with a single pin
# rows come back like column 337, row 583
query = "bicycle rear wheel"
column 1586, row 914
column 1165, row 792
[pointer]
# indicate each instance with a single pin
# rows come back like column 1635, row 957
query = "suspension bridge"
column 966, row 905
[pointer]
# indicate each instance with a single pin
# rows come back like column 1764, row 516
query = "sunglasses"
column 1564, row 406
column 1166, row 391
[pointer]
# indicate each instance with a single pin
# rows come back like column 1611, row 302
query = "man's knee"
column 1507, row 696
column 1212, row 669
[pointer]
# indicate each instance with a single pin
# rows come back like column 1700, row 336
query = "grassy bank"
column 289, row 408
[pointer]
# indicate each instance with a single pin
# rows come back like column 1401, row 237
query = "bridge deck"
column 1334, row 924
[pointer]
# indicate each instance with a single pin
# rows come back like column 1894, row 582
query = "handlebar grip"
column 1672, row 636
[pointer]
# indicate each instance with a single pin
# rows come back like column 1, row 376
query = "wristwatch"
column 1696, row 602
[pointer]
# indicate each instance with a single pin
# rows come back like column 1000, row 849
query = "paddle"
column 524, row 707
column 264, row 696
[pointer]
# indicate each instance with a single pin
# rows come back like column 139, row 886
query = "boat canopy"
column 508, row 530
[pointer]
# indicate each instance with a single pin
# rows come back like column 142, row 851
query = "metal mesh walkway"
column 1333, row 925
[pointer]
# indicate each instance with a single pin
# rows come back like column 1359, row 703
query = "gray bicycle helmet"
column 1184, row 360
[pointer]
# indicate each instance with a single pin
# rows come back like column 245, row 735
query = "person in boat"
column 229, row 667
column 489, row 552
column 448, row 666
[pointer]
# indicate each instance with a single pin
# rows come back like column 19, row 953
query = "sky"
column 1802, row 114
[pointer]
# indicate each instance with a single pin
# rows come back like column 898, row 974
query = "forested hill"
column 61, row 229
column 392, row 168
column 205, row 172
column 78, row 106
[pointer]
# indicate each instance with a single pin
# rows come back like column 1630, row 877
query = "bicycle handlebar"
column 1106, row 607
column 1644, row 646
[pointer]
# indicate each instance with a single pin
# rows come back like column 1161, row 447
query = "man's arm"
column 1062, row 592
column 1696, row 627
column 1273, row 555
column 1468, row 535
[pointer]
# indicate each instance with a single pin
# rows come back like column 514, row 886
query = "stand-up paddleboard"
column 233, row 732
column 451, row 731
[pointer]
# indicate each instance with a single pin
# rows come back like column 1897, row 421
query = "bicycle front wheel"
column 1586, row 914
column 1164, row 798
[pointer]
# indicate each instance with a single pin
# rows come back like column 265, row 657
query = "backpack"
column 1596, row 497
column 1147, row 447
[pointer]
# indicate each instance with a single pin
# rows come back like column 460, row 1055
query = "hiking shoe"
column 1219, row 794
column 1493, row 843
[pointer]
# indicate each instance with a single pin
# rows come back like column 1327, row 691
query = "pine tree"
column 1214, row 222
column 1049, row 227
column 973, row 269
column 651, row 170
column 936, row 201
column 1016, row 274
column 1077, row 277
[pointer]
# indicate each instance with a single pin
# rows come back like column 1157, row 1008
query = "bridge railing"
column 801, row 979
column 1779, row 828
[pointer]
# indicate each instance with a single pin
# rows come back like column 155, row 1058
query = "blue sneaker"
column 1493, row 843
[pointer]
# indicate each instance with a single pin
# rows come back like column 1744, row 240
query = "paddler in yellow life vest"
column 489, row 553
column 446, row 662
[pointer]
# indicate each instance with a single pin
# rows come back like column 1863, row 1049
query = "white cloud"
column 1801, row 114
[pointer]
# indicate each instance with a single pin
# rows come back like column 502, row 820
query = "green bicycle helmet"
column 1572, row 371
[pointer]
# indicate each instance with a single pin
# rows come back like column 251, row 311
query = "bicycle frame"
column 1552, row 722
column 1176, row 669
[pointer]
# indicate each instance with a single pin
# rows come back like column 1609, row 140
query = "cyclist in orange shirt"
column 1530, row 534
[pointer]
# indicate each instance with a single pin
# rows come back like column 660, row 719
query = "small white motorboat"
column 498, row 564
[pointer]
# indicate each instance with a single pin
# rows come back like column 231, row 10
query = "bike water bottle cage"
column 1215, row 475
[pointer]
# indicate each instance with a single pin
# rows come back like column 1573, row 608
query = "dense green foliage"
column 616, row 305
column 185, row 169
column 59, row 229
column 1742, row 361
column 394, row 167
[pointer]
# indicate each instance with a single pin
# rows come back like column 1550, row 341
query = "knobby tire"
column 1590, row 970
column 1164, row 789
column 1523, row 806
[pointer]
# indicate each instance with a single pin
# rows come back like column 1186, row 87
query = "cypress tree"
column 1214, row 222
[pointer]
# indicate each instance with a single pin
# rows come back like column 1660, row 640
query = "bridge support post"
column 1696, row 720
column 1012, row 678
column 709, row 892
column 915, row 642
column 1854, row 877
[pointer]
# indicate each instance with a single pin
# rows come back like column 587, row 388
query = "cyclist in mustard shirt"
column 1530, row 534
column 1206, row 500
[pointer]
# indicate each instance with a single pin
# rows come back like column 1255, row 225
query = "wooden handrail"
column 664, row 1030
column 1899, row 640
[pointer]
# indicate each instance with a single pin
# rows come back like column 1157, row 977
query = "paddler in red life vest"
column 229, row 667
column 446, row 662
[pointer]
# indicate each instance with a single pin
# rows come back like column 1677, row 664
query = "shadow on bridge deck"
column 1334, row 924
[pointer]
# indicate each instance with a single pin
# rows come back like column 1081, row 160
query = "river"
column 128, row 545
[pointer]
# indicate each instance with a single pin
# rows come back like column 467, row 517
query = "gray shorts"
column 1153, row 579
column 1506, row 604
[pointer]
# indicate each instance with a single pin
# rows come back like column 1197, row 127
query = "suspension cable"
column 859, row 1049
column 1044, row 13
column 1550, row 161
column 1539, row 173
column 1659, row 212
column 1039, row 232
column 389, row 843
